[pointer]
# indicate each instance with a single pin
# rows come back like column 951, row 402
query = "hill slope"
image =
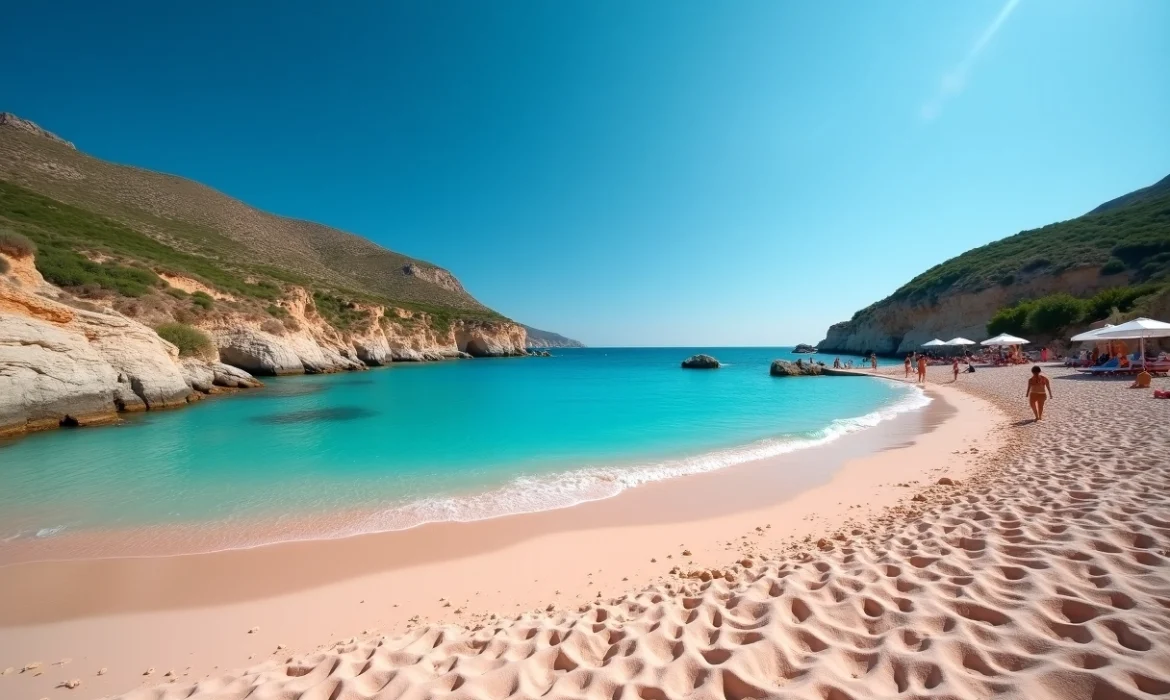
column 547, row 339
column 196, row 220
column 1125, row 241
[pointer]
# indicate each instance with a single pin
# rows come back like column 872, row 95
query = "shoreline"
column 386, row 580
column 266, row 530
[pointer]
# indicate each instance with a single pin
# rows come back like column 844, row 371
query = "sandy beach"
column 960, row 551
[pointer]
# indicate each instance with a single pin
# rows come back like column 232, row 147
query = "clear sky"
column 626, row 173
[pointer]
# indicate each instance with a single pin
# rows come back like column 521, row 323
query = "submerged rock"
column 700, row 362
column 784, row 368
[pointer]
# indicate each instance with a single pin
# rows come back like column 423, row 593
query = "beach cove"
column 300, row 593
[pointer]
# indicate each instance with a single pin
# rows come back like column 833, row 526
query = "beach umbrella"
column 1137, row 329
column 1092, row 335
column 934, row 343
column 960, row 341
column 1004, row 340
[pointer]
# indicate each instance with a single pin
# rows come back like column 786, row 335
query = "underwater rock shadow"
column 338, row 413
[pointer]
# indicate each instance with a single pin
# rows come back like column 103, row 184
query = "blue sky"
column 648, row 173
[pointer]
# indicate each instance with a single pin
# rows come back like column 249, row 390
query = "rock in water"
column 700, row 362
column 804, row 348
column 784, row 368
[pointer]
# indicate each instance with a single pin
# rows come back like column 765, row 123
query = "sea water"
column 415, row 443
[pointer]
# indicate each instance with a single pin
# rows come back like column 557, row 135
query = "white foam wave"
column 530, row 494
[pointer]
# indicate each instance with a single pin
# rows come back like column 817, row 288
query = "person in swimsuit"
column 922, row 369
column 907, row 364
column 955, row 369
column 1039, row 391
column 873, row 360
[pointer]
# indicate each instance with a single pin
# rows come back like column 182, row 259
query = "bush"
column 1010, row 319
column 177, row 293
column 15, row 245
column 1112, row 267
column 65, row 268
column 1054, row 313
column 3, row 266
column 203, row 300
column 277, row 311
column 191, row 342
column 272, row 326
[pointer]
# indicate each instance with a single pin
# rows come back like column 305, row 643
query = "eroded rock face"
column 700, row 362
column 50, row 376
column 895, row 327
column 257, row 352
column 147, row 365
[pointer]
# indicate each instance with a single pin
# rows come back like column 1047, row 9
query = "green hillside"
column 99, row 225
column 1130, row 235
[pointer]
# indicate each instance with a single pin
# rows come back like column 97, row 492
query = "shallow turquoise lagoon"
column 414, row 443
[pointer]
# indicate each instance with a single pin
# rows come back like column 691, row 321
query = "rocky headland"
column 1113, row 262
column 123, row 289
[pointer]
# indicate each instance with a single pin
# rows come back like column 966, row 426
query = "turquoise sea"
column 413, row 443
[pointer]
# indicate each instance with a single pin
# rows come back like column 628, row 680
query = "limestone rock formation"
column 257, row 352
column 804, row 348
column 50, row 376
column 700, row 362
column 784, row 368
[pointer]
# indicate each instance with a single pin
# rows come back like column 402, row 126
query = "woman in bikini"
column 1039, row 391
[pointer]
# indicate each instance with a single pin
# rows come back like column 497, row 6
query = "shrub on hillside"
column 1112, row 267
column 1054, row 313
column 15, row 245
column 272, row 326
column 203, row 300
column 177, row 293
column 1010, row 319
column 3, row 266
column 191, row 342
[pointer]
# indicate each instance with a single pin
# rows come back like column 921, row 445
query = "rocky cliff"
column 547, row 339
column 1123, row 242
column 67, row 361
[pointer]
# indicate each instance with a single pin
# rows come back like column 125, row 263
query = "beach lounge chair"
column 1113, row 365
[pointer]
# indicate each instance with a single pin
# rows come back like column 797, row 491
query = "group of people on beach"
column 920, row 361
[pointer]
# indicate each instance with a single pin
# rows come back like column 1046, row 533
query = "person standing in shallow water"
column 1039, row 391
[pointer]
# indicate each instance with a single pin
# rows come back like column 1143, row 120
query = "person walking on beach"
column 873, row 360
column 907, row 365
column 955, row 369
column 922, row 369
column 1039, row 391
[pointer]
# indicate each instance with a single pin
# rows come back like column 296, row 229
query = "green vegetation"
column 191, row 342
column 68, row 269
column 177, row 293
column 15, row 245
column 277, row 311
column 340, row 313
column 61, row 232
column 1133, row 237
column 203, row 300
column 1055, row 313
column 3, row 266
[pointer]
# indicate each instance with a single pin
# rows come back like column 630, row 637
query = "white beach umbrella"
column 1091, row 335
column 1004, row 340
column 1137, row 329
column 934, row 343
column 960, row 341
